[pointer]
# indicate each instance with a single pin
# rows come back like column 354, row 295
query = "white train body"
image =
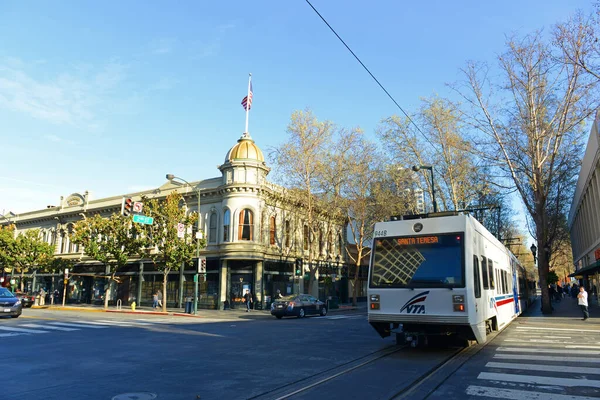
column 441, row 276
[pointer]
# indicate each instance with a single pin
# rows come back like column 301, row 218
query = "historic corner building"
column 256, row 240
column 584, row 216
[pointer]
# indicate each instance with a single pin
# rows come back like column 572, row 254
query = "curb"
column 186, row 315
column 138, row 312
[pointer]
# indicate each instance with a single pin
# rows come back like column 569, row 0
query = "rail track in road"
column 412, row 374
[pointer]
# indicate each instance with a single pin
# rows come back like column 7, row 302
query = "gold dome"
column 245, row 149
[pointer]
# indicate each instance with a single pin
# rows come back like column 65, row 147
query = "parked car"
column 298, row 306
column 9, row 304
column 27, row 299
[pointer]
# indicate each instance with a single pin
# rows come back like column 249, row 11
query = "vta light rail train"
column 443, row 275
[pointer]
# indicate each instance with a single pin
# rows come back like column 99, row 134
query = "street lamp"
column 171, row 178
column 533, row 249
column 416, row 168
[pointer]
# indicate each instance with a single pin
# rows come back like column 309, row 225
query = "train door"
column 515, row 287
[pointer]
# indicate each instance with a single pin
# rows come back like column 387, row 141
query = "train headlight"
column 458, row 299
column 458, row 302
column 374, row 300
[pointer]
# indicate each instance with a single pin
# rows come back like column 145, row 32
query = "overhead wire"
column 372, row 76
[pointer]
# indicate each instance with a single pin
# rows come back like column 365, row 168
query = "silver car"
column 9, row 304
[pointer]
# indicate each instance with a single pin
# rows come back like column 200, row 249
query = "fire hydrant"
column 133, row 306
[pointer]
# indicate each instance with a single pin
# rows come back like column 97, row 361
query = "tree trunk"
column 107, row 293
column 355, row 288
column 542, row 261
column 164, row 292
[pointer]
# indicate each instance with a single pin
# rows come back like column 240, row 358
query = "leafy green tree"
column 29, row 251
column 111, row 241
column 167, row 251
column 7, row 241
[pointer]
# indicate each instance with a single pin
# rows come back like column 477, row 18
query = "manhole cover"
column 135, row 396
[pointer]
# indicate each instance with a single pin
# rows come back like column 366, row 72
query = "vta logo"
column 412, row 306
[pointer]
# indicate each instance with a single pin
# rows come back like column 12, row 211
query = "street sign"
column 180, row 230
column 202, row 265
column 142, row 219
column 66, row 281
column 138, row 206
column 196, row 278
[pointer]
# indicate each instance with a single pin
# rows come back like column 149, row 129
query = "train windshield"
column 418, row 261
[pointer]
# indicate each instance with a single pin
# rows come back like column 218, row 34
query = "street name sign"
column 142, row 219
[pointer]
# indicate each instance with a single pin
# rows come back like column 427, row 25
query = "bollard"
column 133, row 306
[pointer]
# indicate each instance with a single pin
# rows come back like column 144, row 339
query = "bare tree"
column 442, row 143
column 533, row 120
column 299, row 163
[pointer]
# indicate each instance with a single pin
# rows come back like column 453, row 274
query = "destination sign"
column 408, row 241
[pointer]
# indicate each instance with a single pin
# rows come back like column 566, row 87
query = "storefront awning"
column 590, row 269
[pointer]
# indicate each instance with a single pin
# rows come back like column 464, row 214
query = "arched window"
column 330, row 243
column 341, row 245
column 226, row 225
column 212, row 228
column 272, row 230
column 305, row 237
column 246, row 225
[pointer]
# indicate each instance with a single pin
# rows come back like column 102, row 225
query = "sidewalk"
column 179, row 312
column 566, row 312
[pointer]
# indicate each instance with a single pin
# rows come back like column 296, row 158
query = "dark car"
column 27, row 299
column 298, row 306
column 9, row 304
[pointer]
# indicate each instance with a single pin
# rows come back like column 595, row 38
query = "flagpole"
column 248, row 102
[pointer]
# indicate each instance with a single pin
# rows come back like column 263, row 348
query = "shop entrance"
column 240, row 282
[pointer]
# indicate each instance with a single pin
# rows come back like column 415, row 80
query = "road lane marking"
column 581, row 347
column 78, row 325
column 535, row 350
column 10, row 334
column 124, row 323
column 547, row 368
column 21, row 330
column 532, row 357
column 58, row 328
column 539, row 380
column 512, row 394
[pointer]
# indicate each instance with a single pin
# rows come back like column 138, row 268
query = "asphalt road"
column 87, row 355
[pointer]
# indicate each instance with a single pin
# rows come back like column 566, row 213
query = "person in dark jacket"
column 248, row 300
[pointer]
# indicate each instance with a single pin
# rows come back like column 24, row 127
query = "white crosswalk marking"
column 529, row 357
column 79, row 325
column 57, row 328
column 537, row 365
column 550, row 368
column 20, row 330
column 512, row 394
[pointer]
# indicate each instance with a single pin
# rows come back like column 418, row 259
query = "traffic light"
column 298, row 271
column 127, row 208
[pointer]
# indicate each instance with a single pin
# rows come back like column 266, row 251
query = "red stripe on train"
column 505, row 301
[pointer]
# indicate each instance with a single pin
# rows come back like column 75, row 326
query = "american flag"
column 247, row 100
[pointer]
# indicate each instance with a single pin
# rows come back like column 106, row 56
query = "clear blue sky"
column 110, row 96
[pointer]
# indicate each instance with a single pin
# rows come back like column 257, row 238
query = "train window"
column 477, row 280
column 418, row 261
column 485, row 273
column 491, row 269
column 504, row 283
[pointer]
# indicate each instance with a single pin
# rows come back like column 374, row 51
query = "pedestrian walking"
column 159, row 299
column 154, row 300
column 248, row 300
column 42, row 297
column 582, row 300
